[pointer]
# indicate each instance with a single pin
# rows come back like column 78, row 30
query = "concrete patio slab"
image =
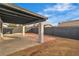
column 17, row 43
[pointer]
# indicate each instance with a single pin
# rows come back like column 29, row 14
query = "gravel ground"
column 53, row 46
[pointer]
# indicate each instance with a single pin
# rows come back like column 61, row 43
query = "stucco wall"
column 70, row 23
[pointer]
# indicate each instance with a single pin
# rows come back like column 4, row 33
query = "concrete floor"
column 14, row 42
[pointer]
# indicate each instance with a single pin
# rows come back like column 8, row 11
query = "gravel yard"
column 53, row 46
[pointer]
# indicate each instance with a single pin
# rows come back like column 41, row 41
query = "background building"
column 69, row 23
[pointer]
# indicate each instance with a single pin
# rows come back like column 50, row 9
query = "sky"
column 56, row 12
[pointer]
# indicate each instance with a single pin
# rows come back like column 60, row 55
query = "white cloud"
column 45, row 14
column 55, row 17
column 60, row 7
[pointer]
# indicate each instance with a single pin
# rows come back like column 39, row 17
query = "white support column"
column 1, row 29
column 23, row 30
column 41, row 33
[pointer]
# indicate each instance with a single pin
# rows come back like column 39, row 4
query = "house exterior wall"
column 70, row 23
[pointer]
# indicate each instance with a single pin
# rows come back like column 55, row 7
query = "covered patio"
column 10, row 13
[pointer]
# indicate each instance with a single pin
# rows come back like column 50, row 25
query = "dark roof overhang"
column 11, row 13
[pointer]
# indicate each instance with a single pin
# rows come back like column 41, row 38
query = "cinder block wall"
column 69, row 32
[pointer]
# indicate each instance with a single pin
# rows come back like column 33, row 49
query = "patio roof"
column 11, row 13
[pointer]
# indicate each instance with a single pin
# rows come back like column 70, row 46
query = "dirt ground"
column 34, row 37
column 53, row 46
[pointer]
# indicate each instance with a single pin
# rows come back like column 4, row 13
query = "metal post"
column 1, row 28
column 23, row 30
column 41, row 33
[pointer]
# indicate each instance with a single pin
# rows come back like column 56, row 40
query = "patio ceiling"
column 11, row 13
